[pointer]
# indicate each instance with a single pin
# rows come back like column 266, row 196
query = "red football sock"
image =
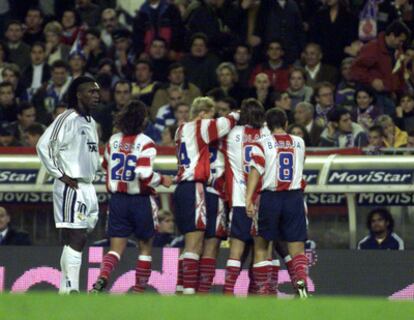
column 232, row 273
column 109, row 262
column 190, row 272
column 274, row 277
column 207, row 272
column 290, row 269
column 300, row 265
column 142, row 273
column 180, row 286
column 261, row 276
column 252, row 284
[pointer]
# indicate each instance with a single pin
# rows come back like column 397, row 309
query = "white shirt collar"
column 4, row 233
column 314, row 72
column 282, row 3
column 309, row 126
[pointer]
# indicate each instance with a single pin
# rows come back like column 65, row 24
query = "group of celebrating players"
column 238, row 176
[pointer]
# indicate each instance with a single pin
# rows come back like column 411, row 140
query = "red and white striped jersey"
column 128, row 162
column 192, row 140
column 280, row 158
column 237, row 148
column 215, row 182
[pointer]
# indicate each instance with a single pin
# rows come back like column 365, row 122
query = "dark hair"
column 175, row 65
column 216, row 94
column 73, row 90
column 35, row 128
column 276, row 118
column 385, row 214
column 230, row 101
column 410, row 133
column 366, row 89
column 323, row 84
column 252, row 113
column 397, row 27
column 39, row 44
column 132, row 118
column 336, row 113
column 298, row 69
column 377, row 129
column 24, row 105
column 146, row 62
column 75, row 13
column 277, row 96
column 104, row 80
column 122, row 81
column 59, row 64
column 5, row 84
column 95, row 32
column 306, row 137
column 20, row 24
column 276, row 40
column 161, row 39
column 172, row 129
column 199, row 35
column 243, row 45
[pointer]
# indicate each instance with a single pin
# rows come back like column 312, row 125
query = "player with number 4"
column 128, row 161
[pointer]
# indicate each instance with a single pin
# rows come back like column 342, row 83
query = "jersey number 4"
column 183, row 156
column 124, row 169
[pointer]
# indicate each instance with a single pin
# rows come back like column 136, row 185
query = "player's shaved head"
column 131, row 120
column 276, row 119
column 252, row 113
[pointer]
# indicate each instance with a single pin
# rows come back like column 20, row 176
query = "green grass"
column 48, row 306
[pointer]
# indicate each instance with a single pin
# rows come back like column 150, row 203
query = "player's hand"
column 251, row 212
column 73, row 183
column 167, row 181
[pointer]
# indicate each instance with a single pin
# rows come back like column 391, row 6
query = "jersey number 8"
column 124, row 170
column 285, row 166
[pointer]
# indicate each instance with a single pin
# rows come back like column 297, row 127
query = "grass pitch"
column 50, row 306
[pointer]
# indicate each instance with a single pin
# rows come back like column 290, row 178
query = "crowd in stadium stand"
column 342, row 70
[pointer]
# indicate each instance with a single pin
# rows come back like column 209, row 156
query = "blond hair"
column 53, row 27
column 201, row 104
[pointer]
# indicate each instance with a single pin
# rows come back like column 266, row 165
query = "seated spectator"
column 274, row 67
column 227, row 81
column 158, row 55
column 8, row 104
column 7, row 138
column 380, row 224
column 341, row 132
column 38, row 73
column 50, row 95
column 394, row 137
column 107, row 66
column 182, row 113
column 242, row 61
column 375, row 140
column 200, row 65
column 404, row 113
column 164, row 236
column 77, row 65
column 4, row 57
column 176, row 78
column 26, row 116
column 55, row 50
column 345, row 91
column 298, row 91
column 144, row 87
column 282, row 101
column 11, row 73
column 93, row 49
column 8, row 235
column 167, row 136
column 165, row 116
column 109, row 22
column 316, row 71
column 262, row 90
column 324, row 98
column 19, row 52
column 167, row 25
column 366, row 112
column 32, row 134
column 123, row 53
column 89, row 12
column 225, row 105
column 70, row 22
column 34, row 26
column 300, row 131
column 122, row 93
column 304, row 116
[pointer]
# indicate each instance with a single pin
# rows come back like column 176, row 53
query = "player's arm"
column 257, row 166
column 105, row 160
column 212, row 130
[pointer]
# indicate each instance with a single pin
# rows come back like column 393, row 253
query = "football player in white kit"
column 69, row 151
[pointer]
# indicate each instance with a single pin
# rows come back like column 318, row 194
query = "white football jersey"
column 70, row 146
column 129, row 162
column 280, row 159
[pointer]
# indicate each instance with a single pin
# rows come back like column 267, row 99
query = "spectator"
column 316, row 71
column 122, row 93
column 8, row 235
column 32, row 134
column 225, row 105
column 144, row 87
column 227, row 80
column 26, row 116
column 60, row 108
column 55, row 50
column 377, row 67
column 7, row 138
column 164, row 236
column 386, row 14
column 8, row 103
column 298, row 90
column 341, row 132
column 182, row 113
column 334, row 28
column 404, row 113
column 94, row 50
column 11, row 73
column 109, row 21
column 274, row 67
column 345, row 91
column 366, row 112
column 200, row 64
column 262, row 90
column 89, row 12
column 380, row 224
column 410, row 142
column 409, row 80
column 158, row 55
column 71, row 26
column 242, row 61
column 300, row 131
column 375, row 140
column 281, row 20
column 19, row 52
column 165, row 116
column 34, row 26
column 324, row 98
column 4, row 57
column 167, row 136
column 50, row 95
column 176, row 78
column 38, row 73
column 158, row 18
column 107, row 66
column 123, row 53
column 394, row 137
column 304, row 116
column 77, row 65
column 221, row 21
column 283, row 101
